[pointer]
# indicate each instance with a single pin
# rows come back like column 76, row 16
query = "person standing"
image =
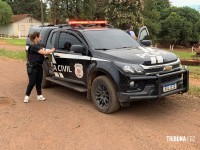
column 35, row 60
column 131, row 32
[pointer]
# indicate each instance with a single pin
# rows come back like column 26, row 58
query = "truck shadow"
column 153, row 109
column 158, row 108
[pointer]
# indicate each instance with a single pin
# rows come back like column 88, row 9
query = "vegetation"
column 21, row 55
column 32, row 7
column 5, row 13
column 194, row 90
column 179, row 26
column 62, row 9
column 167, row 25
column 151, row 12
column 123, row 13
column 194, row 71
column 183, row 54
column 19, row 42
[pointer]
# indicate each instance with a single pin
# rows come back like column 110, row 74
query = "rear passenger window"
column 66, row 40
column 53, row 38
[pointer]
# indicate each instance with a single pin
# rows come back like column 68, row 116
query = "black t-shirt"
column 34, row 56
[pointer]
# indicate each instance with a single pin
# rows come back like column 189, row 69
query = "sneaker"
column 26, row 99
column 40, row 98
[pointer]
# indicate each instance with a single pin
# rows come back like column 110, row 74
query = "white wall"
column 19, row 28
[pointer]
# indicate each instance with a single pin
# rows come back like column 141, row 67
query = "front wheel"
column 104, row 95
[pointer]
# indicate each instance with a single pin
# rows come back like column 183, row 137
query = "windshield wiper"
column 104, row 49
column 125, row 47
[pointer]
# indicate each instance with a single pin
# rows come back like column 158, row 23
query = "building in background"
column 19, row 26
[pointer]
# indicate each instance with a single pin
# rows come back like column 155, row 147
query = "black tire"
column 45, row 83
column 104, row 95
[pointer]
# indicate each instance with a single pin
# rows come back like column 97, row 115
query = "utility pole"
column 42, row 15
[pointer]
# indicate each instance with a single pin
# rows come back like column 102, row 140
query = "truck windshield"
column 110, row 39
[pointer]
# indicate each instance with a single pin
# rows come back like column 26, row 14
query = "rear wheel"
column 45, row 83
column 104, row 95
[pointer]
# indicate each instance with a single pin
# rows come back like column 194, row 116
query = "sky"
column 190, row 3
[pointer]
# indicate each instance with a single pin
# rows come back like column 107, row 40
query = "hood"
column 139, row 55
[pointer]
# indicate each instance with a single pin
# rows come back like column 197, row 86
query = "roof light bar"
column 88, row 22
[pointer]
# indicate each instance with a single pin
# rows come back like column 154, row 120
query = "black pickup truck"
column 108, row 64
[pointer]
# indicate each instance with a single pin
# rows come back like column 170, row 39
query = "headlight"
column 129, row 68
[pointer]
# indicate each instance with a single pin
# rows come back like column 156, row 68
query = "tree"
column 5, row 13
column 151, row 13
column 171, row 28
column 122, row 13
column 73, row 9
column 180, row 25
column 32, row 7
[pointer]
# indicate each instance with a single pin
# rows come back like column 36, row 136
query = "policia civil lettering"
column 35, row 60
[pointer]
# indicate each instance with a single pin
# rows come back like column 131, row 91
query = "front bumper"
column 155, row 90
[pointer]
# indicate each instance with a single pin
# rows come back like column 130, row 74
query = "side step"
column 77, row 87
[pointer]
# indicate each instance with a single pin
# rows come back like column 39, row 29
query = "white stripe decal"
column 72, row 56
column 56, row 74
column 61, row 75
column 150, row 49
column 144, row 49
column 160, row 59
column 98, row 59
column 153, row 60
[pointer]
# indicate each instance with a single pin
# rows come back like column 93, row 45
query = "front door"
column 68, row 65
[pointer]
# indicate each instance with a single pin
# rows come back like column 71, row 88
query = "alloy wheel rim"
column 102, row 96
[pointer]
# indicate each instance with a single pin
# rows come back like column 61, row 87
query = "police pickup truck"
column 108, row 64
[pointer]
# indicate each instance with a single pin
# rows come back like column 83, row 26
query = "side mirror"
column 78, row 49
column 146, row 42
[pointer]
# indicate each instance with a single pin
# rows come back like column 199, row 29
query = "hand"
column 53, row 49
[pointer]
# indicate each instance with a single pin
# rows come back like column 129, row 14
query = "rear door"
column 68, row 65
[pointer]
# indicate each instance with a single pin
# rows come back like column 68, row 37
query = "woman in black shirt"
column 34, row 66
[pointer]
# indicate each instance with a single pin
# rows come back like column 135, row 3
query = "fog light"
column 132, row 83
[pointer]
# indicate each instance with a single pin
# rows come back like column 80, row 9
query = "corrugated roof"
column 16, row 18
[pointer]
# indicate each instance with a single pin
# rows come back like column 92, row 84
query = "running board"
column 77, row 87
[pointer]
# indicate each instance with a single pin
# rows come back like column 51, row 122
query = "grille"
column 159, row 70
column 170, row 78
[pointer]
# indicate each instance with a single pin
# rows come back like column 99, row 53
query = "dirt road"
column 67, row 120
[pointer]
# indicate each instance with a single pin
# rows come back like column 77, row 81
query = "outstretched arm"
column 45, row 52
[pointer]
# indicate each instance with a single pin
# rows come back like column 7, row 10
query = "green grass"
column 19, row 42
column 194, row 90
column 194, row 71
column 183, row 54
column 21, row 55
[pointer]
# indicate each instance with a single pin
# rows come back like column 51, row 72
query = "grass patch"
column 21, row 55
column 194, row 71
column 183, row 54
column 19, row 42
column 194, row 90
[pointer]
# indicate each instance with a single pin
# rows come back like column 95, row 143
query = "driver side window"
column 66, row 40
